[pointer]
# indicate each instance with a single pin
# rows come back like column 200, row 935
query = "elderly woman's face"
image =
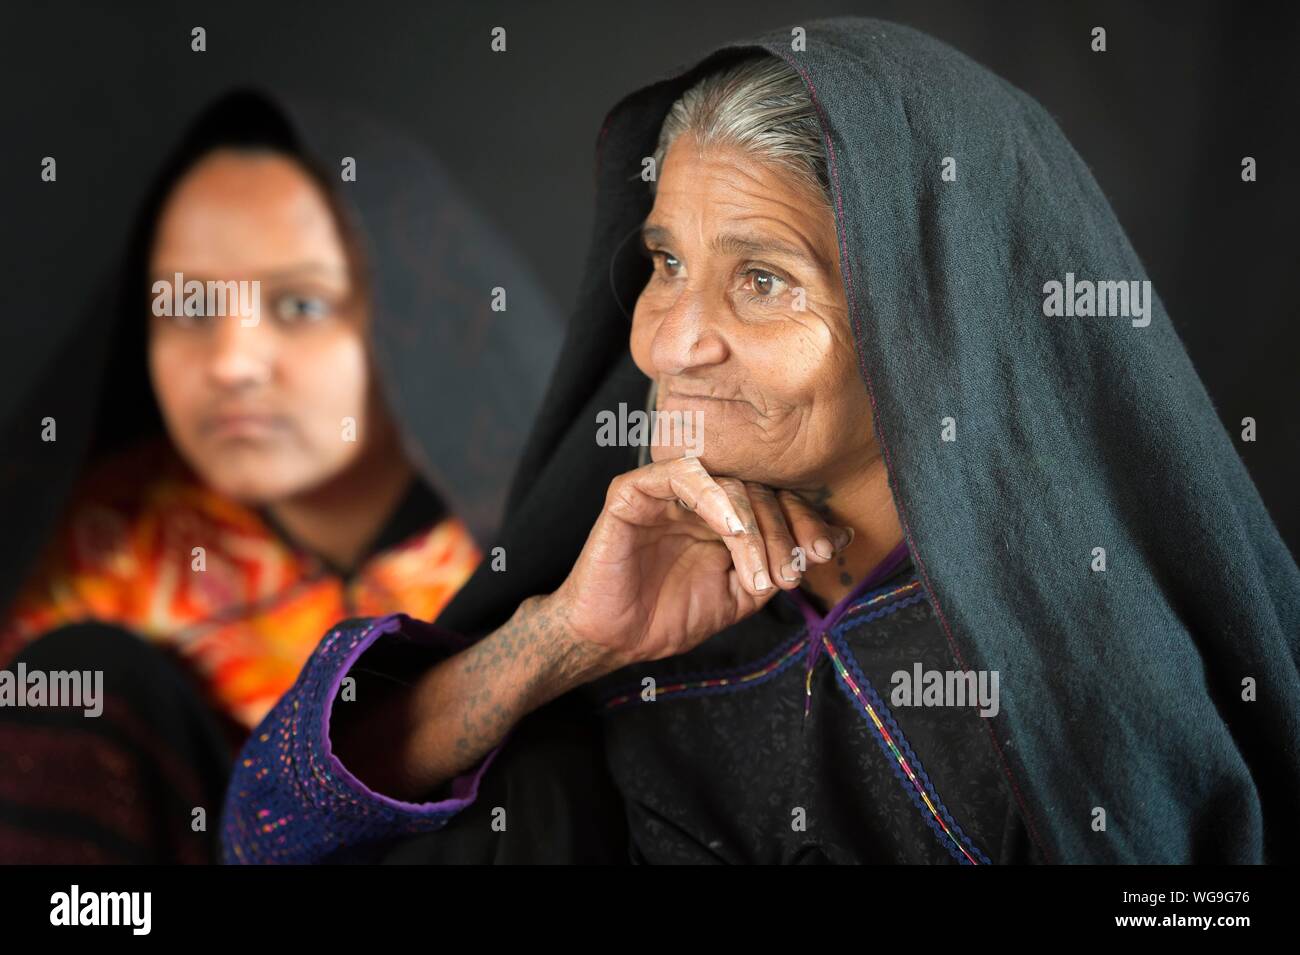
column 744, row 321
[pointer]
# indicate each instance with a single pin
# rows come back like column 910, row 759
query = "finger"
column 777, row 537
column 748, row 550
column 746, row 602
column 652, row 493
column 818, row 539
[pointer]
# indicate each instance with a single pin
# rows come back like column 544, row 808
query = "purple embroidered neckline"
column 884, row 569
column 819, row 624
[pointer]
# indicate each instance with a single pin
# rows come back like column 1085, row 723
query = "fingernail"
column 824, row 548
column 845, row 537
column 762, row 581
column 788, row 573
column 734, row 525
column 686, row 504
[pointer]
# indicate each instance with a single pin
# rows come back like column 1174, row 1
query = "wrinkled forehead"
column 727, row 200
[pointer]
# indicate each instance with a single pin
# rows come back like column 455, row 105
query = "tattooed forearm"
column 490, row 686
column 417, row 737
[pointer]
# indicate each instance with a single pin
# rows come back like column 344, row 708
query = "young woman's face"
column 744, row 322
column 268, row 406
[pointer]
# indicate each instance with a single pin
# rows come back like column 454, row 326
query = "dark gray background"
column 1163, row 118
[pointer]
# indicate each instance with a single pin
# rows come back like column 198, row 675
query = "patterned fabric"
column 903, row 761
column 784, row 767
column 715, row 767
column 247, row 610
column 863, row 609
column 291, row 800
column 121, row 788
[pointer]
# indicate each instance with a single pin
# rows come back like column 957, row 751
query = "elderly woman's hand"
column 677, row 555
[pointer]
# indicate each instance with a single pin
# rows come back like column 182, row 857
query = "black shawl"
column 1122, row 689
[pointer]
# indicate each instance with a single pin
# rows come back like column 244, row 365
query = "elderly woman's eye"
column 765, row 284
column 295, row 309
column 666, row 261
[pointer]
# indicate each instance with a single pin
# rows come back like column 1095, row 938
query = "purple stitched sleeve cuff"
column 290, row 799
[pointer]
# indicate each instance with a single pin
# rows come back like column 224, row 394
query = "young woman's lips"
column 248, row 425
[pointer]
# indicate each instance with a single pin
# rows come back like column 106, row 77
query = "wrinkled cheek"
column 739, row 442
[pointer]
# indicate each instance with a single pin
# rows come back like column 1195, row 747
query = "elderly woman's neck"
column 864, row 503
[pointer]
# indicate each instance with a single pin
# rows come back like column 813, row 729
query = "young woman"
column 310, row 312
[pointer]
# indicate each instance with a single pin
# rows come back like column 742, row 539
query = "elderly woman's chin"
column 671, row 452
column 721, row 458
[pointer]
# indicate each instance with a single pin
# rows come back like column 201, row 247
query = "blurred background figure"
column 214, row 484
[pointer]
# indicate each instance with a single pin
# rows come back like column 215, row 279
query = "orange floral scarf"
column 146, row 546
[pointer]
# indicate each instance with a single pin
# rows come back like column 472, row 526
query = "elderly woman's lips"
column 708, row 407
column 683, row 396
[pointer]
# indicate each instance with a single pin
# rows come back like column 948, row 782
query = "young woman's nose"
column 240, row 355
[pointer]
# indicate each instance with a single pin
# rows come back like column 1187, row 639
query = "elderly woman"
column 916, row 600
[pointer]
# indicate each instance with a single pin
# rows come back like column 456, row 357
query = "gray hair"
column 759, row 105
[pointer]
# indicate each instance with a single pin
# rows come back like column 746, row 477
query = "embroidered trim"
column 876, row 596
column 906, row 589
column 903, row 760
column 773, row 664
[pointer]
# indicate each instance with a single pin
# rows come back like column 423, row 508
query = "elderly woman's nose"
column 687, row 337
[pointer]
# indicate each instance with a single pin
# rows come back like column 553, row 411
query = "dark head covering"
column 1121, row 690
column 461, row 380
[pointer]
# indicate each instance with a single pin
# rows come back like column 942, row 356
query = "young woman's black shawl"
column 1163, row 690
column 463, row 380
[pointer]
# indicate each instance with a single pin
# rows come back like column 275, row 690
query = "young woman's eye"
column 190, row 316
column 299, row 309
column 764, row 284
